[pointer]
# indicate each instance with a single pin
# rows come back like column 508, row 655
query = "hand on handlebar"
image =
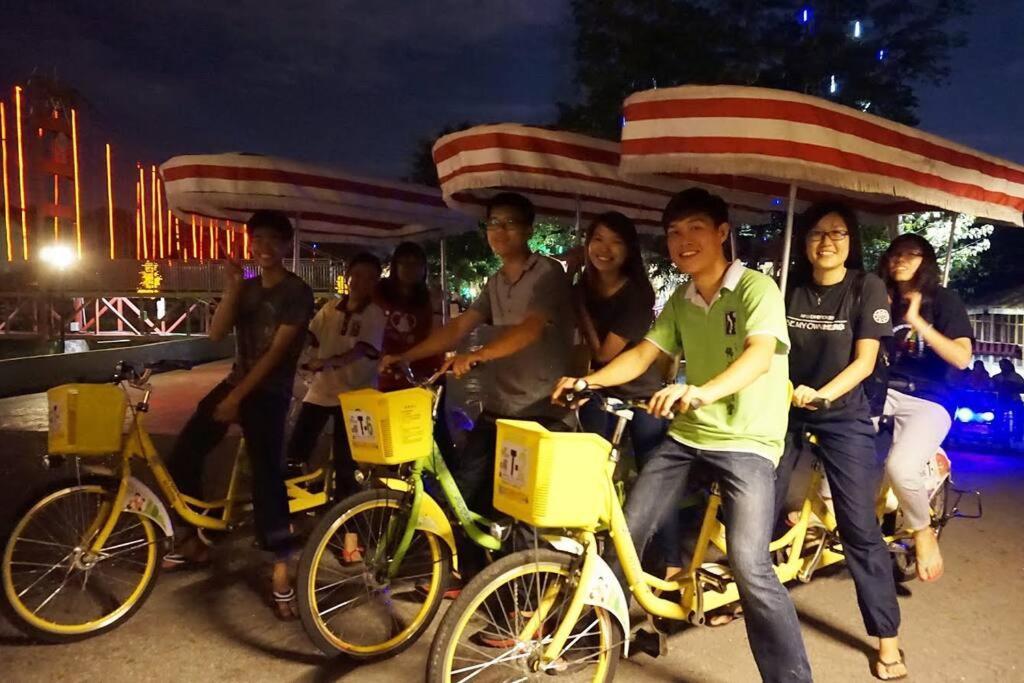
column 676, row 397
column 462, row 363
column 567, row 390
column 805, row 397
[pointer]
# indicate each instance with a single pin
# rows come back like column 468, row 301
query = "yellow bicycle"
column 561, row 611
column 85, row 554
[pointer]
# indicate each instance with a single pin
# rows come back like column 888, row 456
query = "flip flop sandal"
column 880, row 664
column 351, row 557
column 725, row 617
column 175, row 562
column 285, row 598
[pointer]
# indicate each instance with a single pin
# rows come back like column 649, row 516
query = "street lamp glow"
column 60, row 256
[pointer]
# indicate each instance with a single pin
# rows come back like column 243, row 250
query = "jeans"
column 308, row 426
column 646, row 432
column 747, row 483
column 262, row 418
column 854, row 472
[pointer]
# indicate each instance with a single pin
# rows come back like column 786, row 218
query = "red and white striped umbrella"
column 762, row 140
column 327, row 205
column 563, row 174
column 774, row 144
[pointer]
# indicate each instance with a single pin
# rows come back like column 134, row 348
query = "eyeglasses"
column 502, row 224
column 834, row 235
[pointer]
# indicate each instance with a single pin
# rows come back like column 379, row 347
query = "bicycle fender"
column 140, row 500
column 432, row 518
column 603, row 590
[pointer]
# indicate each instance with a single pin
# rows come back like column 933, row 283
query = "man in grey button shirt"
column 529, row 302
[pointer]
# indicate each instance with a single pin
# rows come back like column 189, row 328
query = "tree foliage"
column 627, row 45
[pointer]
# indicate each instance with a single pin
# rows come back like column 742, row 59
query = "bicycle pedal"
column 651, row 644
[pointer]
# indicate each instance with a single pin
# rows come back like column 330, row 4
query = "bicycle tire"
column 26, row 619
column 443, row 650
column 316, row 548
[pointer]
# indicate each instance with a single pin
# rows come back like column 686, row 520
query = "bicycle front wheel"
column 54, row 588
column 348, row 603
column 504, row 618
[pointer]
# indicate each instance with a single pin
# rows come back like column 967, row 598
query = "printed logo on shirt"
column 880, row 316
column 730, row 323
column 816, row 323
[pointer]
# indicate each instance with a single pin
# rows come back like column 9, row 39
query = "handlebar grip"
column 165, row 365
column 902, row 385
column 822, row 403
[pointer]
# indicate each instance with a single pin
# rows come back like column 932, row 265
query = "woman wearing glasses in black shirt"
column 837, row 314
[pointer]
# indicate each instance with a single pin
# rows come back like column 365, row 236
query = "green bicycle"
column 374, row 571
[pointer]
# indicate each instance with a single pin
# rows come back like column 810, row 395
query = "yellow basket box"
column 550, row 479
column 388, row 428
column 85, row 419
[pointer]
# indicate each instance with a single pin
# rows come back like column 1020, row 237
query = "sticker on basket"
column 361, row 427
column 513, row 464
column 56, row 420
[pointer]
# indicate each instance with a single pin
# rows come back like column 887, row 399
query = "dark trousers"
column 747, row 483
column 854, row 472
column 646, row 432
column 262, row 417
column 308, row 425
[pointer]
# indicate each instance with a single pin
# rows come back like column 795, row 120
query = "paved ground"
column 213, row 626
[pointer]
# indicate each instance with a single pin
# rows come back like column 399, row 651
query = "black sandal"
column 285, row 598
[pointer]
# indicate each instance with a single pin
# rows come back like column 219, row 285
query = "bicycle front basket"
column 550, row 479
column 86, row 419
column 388, row 428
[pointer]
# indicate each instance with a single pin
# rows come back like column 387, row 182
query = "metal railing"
column 125, row 277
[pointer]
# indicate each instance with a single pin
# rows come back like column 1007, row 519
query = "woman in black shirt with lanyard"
column 932, row 338
column 836, row 315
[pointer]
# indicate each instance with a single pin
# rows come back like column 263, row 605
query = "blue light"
column 805, row 15
column 776, row 201
column 856, row 29
column 987, row 416
column 964, row 414
column 833, row 85
column 623, row 121
column 881, row 54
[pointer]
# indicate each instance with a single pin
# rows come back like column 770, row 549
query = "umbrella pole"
column 787, row 237
column 295, row 244
column 579, row 216
column 948, row 265
column 444, row 283
column 732, row 243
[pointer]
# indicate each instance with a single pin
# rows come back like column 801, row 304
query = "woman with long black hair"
column 836, row 315
column 932, row 339
column 615, row 310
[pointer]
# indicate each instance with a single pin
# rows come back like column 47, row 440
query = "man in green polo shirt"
column 731, row 416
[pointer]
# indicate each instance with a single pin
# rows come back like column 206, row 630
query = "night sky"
column 354, row 84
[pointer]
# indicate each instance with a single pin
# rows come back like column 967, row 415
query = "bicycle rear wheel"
column 483, row 635
column 53, row 588
column 347, row 603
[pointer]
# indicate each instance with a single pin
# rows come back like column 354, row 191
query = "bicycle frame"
column 139, row 444
column 426, row 513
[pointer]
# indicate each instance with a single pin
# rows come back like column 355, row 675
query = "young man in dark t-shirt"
column 269, row 315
